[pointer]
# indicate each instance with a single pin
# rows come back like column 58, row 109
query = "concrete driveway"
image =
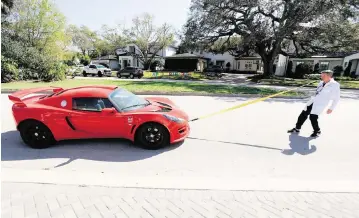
column 246, row 149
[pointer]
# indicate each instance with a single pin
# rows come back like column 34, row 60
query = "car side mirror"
column 109, row 110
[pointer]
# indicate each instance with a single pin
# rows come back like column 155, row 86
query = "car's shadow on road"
column 109, row 150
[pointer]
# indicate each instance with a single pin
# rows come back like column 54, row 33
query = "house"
column 109, row 61
column 249, row 64
column 352, row 61
column 130, row 55
column 319, row 62
column 186, row 62
column 218, row 59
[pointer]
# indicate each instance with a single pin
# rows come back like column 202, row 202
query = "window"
column 323, row 66
column 132, row 49
column 126, row 101
column 220, row 63
column 91, row 104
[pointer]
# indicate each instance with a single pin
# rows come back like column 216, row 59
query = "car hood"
column 165, row 106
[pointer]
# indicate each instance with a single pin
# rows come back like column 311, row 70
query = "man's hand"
column 329, row 111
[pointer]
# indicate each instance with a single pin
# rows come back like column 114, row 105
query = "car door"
column 89, row 117
column 92, row 69
column 128, row 71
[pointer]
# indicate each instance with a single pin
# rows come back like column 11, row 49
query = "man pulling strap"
column 327, row 90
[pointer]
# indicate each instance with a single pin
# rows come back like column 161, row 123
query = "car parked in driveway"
column 130, row 72
column 214, row 71
column 96, row 69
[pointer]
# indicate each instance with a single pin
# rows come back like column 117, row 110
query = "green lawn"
column 152, row 86
column 354, row 84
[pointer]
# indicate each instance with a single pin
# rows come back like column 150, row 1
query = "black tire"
column 152, row 136
column 93, row 75
column 84, row 74
column 119, row 75
column 99, row 74
column 36, row 134
column 132, row 76
column 139, row 77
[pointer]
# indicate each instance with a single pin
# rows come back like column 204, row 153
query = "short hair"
column 329, row 72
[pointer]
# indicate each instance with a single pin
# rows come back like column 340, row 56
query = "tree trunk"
column 268, row 66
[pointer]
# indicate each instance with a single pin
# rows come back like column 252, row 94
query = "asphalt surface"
column 246, row 149
column 238, row 164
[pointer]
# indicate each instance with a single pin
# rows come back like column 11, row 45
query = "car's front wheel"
column 119, row 75
column 99, row 74
column 36, row 134
column 152, row 136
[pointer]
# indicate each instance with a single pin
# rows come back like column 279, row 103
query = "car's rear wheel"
column 132, row 76
column 152, row 136
column 36, row 134
column 84, row 73
column 119, row 75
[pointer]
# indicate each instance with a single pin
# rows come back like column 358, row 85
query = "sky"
column 95, row 13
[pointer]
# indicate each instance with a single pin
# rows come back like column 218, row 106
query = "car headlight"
column 174, row 119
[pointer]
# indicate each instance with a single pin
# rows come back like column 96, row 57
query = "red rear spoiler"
column 16, row 96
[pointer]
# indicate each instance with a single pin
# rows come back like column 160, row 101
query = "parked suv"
column 130, row 72
column 96, row 69
column 214, row 71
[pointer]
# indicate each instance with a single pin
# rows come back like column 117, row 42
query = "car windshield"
column 125, row 100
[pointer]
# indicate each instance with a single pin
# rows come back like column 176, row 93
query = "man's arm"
column 335, row 97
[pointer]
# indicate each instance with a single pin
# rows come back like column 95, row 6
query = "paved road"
column 39, row 200
column 243, row 150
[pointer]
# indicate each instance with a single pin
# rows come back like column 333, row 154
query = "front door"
column 89, row 120
column 125, row 63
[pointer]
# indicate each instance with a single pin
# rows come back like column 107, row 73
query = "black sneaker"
column 294, row 130
column 315, row 134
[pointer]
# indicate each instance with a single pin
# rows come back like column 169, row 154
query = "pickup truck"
column 96, row 69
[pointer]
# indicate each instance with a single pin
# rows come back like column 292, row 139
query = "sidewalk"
column 42, row 200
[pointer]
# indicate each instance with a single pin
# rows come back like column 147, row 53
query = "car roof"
column 87, row 91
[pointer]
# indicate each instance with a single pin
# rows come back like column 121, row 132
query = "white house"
column 354, row 61
column 130, row 55
column 219, row 59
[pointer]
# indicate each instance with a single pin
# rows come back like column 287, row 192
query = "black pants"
column 313, row 119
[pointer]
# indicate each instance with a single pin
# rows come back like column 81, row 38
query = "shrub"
column 301, row 70
column 353, row 75
column 338, row 70
column 85, row 59
column 312, row 76
column 9, row 70
column 316, row 68
column 347, row 70
column 228, row 67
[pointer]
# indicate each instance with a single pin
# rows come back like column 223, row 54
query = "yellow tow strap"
column 247, row 103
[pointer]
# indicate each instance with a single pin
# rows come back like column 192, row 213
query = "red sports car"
column 96, row 112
